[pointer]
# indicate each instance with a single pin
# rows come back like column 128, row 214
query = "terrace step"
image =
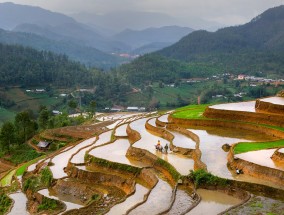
column 182, row 203
column 158, row 201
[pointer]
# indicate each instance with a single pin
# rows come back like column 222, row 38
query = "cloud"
column 224, row 12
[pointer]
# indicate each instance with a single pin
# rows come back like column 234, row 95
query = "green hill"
column 86, row 55
column 255, row 46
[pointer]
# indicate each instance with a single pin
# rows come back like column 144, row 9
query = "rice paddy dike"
column 226, row 159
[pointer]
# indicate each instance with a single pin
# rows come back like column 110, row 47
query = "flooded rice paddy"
column 114, row 152
column 262, row 158
column 148, row 141
column 240, row 106
column 182, row 203
column 164, row 118
column 213, row 202
column 69, row 205
column 60, row 161
column 158, row 200
column 131, row 201
column 211, row 142
column 183, row 141
column 274, row 100
column 20, row 202
column 121, row 131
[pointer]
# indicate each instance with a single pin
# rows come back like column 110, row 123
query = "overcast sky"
column 224, row 12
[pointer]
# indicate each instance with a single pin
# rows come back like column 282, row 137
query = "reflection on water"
column 79, row 157
column 240, row 106
column 121, row 131
column 60, row 161
column 69, row 205
column 213, row 202
column 148, row 141
column 164, row 118
column 261, row 157
column 114, row 124
column 20, row 202
column 274, row 100
column 158, row 200
column 183, row 141
column 211, row 141
column 114, row 152
column 137, row 197
column 152, row 122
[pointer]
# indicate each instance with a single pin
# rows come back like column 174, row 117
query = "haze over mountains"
column 88, row 44
column 264, row 33
column 256, row 48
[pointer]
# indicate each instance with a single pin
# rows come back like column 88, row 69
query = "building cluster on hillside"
column 259, row 79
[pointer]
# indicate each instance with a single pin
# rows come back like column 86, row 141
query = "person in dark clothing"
column 166, row 148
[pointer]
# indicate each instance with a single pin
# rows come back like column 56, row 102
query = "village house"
column 43, row 145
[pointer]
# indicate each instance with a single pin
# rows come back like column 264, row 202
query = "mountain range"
column 62, row 31
column 263, row 33
column 255, row 48
column 166, row 34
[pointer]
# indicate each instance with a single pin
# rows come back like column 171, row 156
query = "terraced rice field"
column 110, row 192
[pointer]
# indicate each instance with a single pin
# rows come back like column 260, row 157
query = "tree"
column 92, row 107
column 25, row 126
column 43, row 118
column 7, row 135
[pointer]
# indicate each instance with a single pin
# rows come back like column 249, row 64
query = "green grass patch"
column 247, row 147
column 22, row 168
column 5, row 203
column 190, row 112
column 23, row 153
column 6, row 181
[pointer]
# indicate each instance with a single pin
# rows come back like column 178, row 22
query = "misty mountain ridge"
column 166, row 34
column 117, row 21
column 255, row 48
column 86, row 55
column 263, row 33
column 61, row 28
column 12, row 15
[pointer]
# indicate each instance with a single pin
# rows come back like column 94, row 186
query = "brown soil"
column 112, row 196
column 74, row 191
column 259, row 118
column 269, row 107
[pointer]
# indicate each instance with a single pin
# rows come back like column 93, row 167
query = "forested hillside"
column 86, row 55
column 26, row 66
column 255, row 46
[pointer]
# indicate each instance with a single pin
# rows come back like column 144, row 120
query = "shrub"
column 47, row 204
column 31, row 184
column 201, row 177
column 46, row 177
column 5, row 203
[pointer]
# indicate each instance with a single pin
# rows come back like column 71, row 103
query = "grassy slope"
column 247, row 147
column 31, row 101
